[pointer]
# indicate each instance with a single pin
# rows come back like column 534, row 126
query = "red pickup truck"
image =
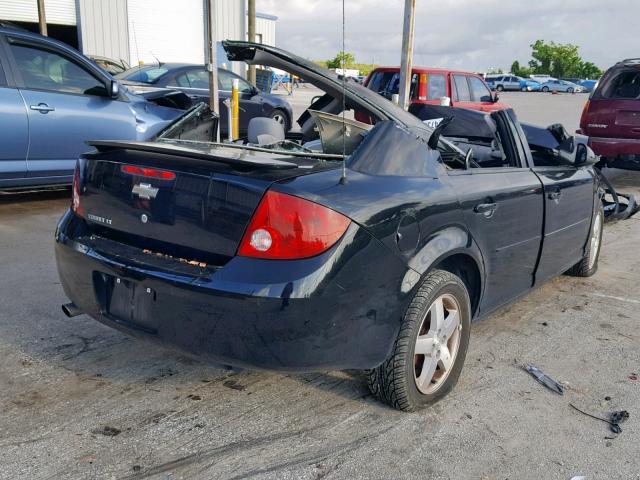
column 429, row 85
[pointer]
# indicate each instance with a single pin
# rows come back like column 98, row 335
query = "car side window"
column 436, row 87
column 46, row 70
column 198, row 78
column 225, row 80
column 479, row 92
column 462, row 93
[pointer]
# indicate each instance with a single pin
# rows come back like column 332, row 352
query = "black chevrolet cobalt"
column 340, row 245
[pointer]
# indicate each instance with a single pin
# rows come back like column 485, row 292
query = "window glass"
column 45, row 70
column 462, row 88
column 375, row 81
column 198, row 78
column 147, row 75
column 479, row 92
column 226, row 78
column 626, row 85
column 436, row 87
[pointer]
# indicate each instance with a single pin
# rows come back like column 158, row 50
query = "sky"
column 475, row 35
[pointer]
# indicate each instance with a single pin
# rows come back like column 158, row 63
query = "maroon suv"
column 611, row 117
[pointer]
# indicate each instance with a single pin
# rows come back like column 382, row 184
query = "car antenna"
column 343, row 177
column 135, row 40
column 157, row 59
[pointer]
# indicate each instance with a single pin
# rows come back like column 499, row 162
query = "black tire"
column 545, row 89
column 394, row 381
column 569, row 90
column 500, row 88
column 282, row 118
column 588, row 266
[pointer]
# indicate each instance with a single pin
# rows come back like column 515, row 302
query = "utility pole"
column 212, row 61
column 407, row 52
column 251, row 4
column 42, row 18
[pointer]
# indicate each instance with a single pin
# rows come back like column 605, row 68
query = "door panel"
column 503, row 209
column 59, row 136
column 14, row 135
column 568, row 211
column 66, row 105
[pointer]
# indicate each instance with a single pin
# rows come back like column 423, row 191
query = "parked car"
column 501, row 83
column 611, row 116
column 53, row 99
column 193, row 80
column 370, row 247
column 588, row 85
column 528, row 85
column 430, row 85
column 554, row 85
column 112, row 66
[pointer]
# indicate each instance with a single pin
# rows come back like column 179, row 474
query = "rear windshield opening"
column 624, row 86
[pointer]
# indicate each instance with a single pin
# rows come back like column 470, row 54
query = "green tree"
column 342, row 58
column 558, row 60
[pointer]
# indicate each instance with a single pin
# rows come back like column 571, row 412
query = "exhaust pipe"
column 70, row 310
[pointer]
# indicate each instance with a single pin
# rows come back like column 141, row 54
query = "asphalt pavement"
column 79, row 400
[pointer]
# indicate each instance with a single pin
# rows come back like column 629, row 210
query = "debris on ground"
column 614, row 421
column 544, row 379
column 617, row 206
column 107, row 431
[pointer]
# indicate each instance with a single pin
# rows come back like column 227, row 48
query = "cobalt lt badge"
column 144, row 218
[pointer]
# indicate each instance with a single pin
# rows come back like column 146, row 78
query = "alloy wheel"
column 594, row 243
column 437, row 344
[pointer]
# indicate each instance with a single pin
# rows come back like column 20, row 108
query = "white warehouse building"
column 139, row 30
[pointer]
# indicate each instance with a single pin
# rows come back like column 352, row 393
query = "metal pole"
column 407, row 52
column 251, row 4
column 42, row 18
column 212, row 61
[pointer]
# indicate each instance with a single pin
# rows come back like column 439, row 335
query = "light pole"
column 407, row 53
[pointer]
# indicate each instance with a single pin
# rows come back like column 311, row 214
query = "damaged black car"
column 340, row 246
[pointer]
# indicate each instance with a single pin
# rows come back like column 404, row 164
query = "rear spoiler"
column 241, row 160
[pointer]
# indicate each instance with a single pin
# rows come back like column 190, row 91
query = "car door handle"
column 486, row 209
column 555, row 195
column 42, row 108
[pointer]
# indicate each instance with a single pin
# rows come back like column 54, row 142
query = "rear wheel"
column 430, row 349
column 589, row 263
column 570, row 90
column 500, row 88
column 281, row 117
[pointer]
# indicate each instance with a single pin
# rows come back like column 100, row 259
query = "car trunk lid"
column 185, row 201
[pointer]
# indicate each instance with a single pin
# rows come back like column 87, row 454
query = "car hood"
column 356, row 94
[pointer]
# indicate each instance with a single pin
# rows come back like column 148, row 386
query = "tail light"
column 422, row 86
column 148, row 172
column 76, row 204
column 285, row 227
column 585, row 114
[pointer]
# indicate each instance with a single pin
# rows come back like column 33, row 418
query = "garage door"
column 61, row 12
column 169, row 30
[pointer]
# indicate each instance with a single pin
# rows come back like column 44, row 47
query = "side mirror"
column 114, row 90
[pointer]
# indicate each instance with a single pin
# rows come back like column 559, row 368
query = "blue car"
column 588, row 85
column 53, row 100
column 527, row 85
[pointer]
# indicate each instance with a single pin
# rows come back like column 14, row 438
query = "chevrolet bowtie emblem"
column 145, row 191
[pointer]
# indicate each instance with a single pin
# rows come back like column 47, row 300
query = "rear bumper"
column 340, row 310
column 614, row 147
